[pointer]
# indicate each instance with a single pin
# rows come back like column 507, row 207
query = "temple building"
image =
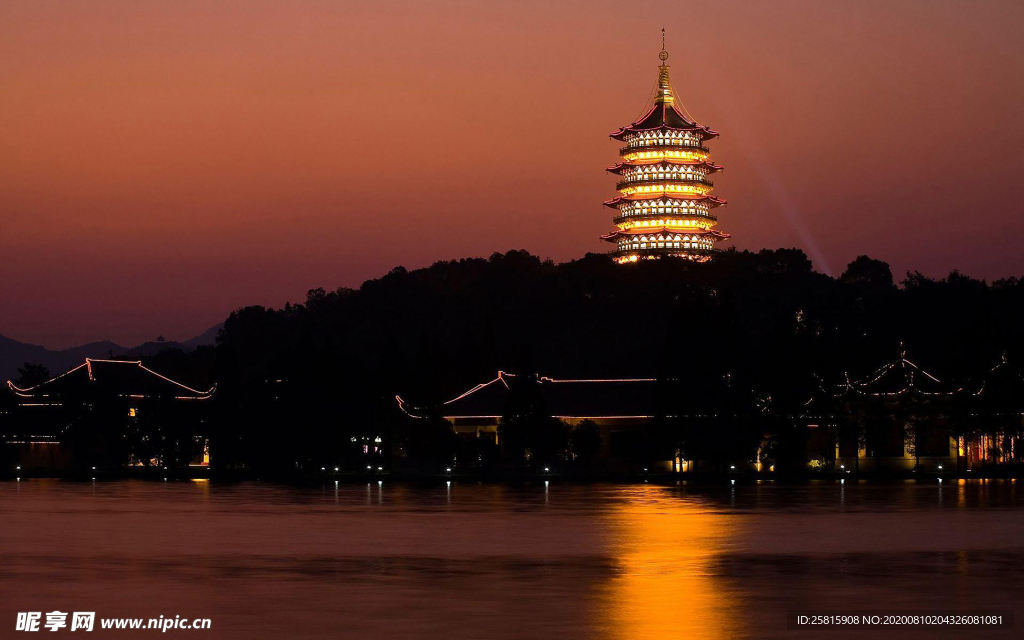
column 105, row 414
column 619, row 407
column 664, row 206
column 623, row 410
column 895, row 419
column 901, row 418
column 992, row 406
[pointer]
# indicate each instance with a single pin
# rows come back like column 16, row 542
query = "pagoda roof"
column 714, row 201
column 711, row 166
column 564, row 399
column 639, row 231
column 127, row 378
column 663, row 116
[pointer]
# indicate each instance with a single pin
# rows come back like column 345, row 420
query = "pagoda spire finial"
column 664, row 83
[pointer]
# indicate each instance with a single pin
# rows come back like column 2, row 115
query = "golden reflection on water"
column 665, row 588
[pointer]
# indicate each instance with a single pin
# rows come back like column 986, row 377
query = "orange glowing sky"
column 166, row 162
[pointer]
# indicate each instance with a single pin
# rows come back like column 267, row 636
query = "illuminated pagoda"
column 664, row 203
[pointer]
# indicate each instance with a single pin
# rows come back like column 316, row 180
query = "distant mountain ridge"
column 14, row 354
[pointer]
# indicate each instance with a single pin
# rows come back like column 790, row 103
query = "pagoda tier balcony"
column 641, row 189
column 659, row 209
column 696, row 255
column 664, row 250
column 663, row 146
column 648, row 180
column 639, row 221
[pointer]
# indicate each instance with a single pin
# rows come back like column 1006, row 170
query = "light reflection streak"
column 666, row 587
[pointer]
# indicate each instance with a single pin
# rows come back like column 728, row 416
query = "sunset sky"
column 166, row 162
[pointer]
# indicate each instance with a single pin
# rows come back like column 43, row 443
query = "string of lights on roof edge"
column 26, row 392
column 16, row 388
column 503, row 374
column 848, row 386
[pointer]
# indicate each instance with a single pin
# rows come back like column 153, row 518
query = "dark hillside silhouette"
column 326, row 371
column 314, row 384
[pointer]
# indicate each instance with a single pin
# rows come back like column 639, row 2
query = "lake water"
column 481, row 561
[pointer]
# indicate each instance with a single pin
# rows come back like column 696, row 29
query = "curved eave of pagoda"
column 713, row 201
column 615, row 235
column 707, row 164
column 706, row 133
column 663, row 117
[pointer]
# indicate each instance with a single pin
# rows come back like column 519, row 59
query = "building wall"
column 37, row 457
column 617, row 435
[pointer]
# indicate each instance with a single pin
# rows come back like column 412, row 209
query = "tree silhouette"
column 29, row 375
